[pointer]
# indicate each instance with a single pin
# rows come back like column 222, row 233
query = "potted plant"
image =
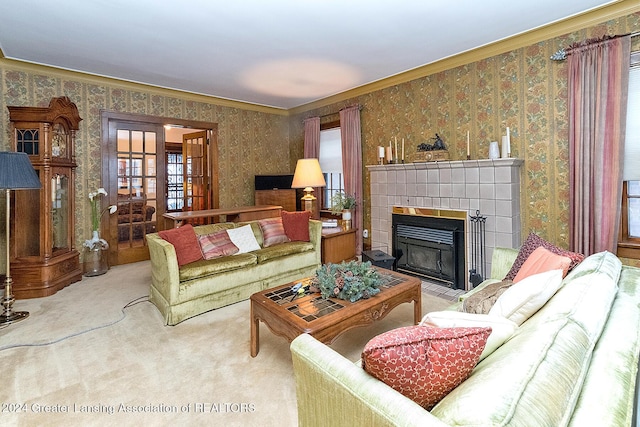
column 343, row 203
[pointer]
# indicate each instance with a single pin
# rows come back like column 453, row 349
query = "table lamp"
column 308, row 175
column 16, row 173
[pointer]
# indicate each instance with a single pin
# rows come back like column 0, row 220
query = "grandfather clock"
column 43, row 258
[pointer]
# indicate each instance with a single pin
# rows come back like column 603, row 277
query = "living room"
column 509, row 83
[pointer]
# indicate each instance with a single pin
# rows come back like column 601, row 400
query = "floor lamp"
column 16, row 173
column 308, row 175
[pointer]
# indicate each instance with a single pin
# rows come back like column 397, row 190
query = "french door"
column 137, row 187
column 134, row 173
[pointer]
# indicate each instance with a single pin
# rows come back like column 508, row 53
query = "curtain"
column 352, row 164
column 312, row 151
column 597, row 90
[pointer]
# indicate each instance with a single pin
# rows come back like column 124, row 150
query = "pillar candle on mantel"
column 396, row 139
column 380, row 152
column 468, row 153
column 403, row 149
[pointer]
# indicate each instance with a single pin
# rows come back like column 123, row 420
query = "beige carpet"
column 81, row 352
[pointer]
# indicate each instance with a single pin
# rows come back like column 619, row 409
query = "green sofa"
column 181, row 293
column 573, row 363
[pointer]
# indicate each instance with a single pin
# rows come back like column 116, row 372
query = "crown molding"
column 578, row 22
column 17, row 65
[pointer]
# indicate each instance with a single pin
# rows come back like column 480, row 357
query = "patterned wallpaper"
column 250, row 142
column 522, row 89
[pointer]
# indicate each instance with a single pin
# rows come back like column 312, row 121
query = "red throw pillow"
column 296, row 225
column 424, row 363
column 216, row 245
column 185, row 242
column 272, row 231
column 534, row 241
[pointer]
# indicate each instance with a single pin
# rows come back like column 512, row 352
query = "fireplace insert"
column 430, row 247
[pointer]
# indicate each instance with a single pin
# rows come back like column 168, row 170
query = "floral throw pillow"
column 424, row 363
column 531, row 244
column 216, row 245
column 272, row 231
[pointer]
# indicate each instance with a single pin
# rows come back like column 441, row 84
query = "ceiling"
column 277, row 53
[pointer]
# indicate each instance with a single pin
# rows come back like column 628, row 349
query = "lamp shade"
column 308, row 174
column 16, row 172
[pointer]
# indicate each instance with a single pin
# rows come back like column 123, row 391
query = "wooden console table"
column 241, row 213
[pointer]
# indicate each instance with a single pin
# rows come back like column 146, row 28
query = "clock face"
column 59, row 142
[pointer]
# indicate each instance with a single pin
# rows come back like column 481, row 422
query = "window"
column 175, row 179
column 330, row 159
column 629, row 242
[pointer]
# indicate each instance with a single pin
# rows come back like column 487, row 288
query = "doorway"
column 135, row 174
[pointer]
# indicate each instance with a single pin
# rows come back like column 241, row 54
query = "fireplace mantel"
column 483, row 163
column 489, row 186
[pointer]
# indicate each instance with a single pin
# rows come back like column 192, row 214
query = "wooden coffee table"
column 325, row 320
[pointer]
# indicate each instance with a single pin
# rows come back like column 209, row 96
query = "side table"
column 338, row 245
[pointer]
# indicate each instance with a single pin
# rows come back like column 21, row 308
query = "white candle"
column 402, row 148
column 508, row 142
column 468, row 144
column 505, row 147
column 380, row 152
column 396, row 139
column 389, row 153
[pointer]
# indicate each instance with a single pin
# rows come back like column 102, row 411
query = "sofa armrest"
column 331, row 390
column 165, row 275
column 501, row 262
column 148, row 212
column 315, row 237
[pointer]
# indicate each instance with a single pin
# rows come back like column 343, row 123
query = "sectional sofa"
column 572, row 363
column 181, row 292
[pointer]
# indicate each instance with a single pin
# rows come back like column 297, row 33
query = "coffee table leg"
column 417, row 308
column 255, row 334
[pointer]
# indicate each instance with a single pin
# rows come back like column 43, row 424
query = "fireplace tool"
column 477, row 237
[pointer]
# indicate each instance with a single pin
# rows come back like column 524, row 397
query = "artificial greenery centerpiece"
column 350, row 281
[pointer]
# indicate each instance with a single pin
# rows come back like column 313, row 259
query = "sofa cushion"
column 282, row 250
column 244, row 239
column 200, row 269
column 296, row 225
column 534, row 241
column 501, row 329
column 480, row 302
column 525, row 297
column 424, row 363
column 185, row 242
column 272, row 232
column 216, row 244
column 542, row 260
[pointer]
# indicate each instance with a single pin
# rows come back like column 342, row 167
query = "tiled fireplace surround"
column 490, row 186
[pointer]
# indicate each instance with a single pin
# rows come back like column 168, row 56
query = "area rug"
column 81, row 359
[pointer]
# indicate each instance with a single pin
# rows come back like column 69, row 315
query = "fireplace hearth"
column 429, row 243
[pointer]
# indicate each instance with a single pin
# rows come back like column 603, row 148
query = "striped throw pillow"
column 272, row 231
column 217, row 244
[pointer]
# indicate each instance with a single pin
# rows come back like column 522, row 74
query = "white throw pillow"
column 243, row 238
column 501, row 329
column 525, row 298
